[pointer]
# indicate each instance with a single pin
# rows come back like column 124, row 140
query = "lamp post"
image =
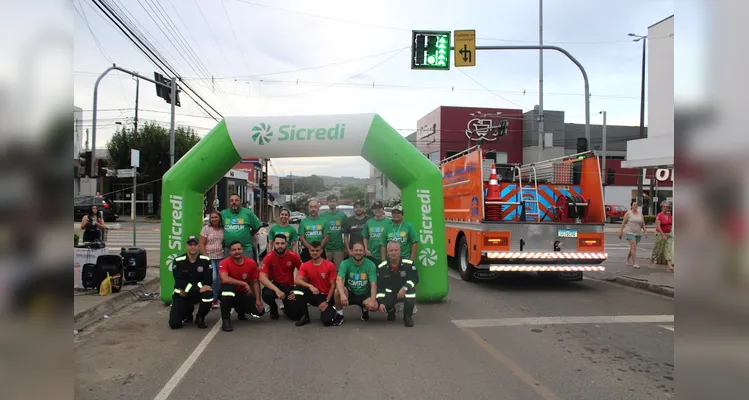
column 640, row 177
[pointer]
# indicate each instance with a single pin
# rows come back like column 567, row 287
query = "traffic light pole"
column 573, row 59
column 96, row 100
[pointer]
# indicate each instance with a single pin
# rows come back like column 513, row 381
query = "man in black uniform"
column 352, row 228
column 396, row 282
column 193, row 278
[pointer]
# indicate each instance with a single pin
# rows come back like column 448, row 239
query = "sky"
column 294, row 57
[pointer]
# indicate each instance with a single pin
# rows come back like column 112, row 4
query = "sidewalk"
column 90, row 308
column 657, row 280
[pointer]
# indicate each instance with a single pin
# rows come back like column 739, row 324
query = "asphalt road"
column 510, row 339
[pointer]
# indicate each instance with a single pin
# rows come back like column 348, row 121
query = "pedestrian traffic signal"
column 582, row 145
column 430, row 50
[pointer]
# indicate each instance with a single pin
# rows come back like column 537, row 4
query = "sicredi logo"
column 262, row 133
column 427, row 255
column 175, row 235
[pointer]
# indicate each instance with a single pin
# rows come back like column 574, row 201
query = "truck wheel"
column 464, row 267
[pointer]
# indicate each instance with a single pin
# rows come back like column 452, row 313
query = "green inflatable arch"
column 366, row 135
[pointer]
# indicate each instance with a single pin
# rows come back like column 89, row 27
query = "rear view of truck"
column 545, row 218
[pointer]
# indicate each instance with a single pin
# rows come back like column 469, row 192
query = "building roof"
column 663, row 20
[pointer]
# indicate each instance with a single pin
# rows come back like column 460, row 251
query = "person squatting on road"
column 240, row 289
column 277, row 277
column 192, row 285
column 355, row 285
column 396, row 282
column 316, row 282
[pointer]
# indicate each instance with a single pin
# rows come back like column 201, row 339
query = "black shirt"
column 353, row 226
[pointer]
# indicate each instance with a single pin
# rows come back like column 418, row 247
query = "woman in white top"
column 632, row 224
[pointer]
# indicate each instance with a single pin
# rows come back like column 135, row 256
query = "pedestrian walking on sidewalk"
column 212, row 245
column 633, row 224
column 664, row 242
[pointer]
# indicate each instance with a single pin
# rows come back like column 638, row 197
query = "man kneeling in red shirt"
column 316, row 282
column 277, row 277
column 240, row 289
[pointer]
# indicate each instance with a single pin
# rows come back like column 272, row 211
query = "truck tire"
column 465, row 268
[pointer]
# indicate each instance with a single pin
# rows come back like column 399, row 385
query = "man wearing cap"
column 373, row 232
column 352, row 227
column 402, row 232
column 192, row 285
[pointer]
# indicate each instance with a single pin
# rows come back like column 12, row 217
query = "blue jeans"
column 216, row 280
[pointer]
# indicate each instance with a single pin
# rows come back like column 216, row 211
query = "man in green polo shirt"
column 373, row 232
column 313, row 228
column 240, row 224
column 402, row 232
column 356, row 284
column 336, row 218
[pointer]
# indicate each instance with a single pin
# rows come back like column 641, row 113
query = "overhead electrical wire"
column 149, row 52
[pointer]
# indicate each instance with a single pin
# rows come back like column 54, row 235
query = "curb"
column 644, row 284
column 116, row 303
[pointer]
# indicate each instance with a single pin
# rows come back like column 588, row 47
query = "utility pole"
column 291, row 175
column 86, row 139
column 540, row 81
column 171, row 126
column 265, row 190
column 137, row 89
column 604, row 172
column 640, row 173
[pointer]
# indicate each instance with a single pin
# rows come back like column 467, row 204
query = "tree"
column 152, row 141
column 353, row 192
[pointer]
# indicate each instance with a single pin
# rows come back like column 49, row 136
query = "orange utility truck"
column 545, row 218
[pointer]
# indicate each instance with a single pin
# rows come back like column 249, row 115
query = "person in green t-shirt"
column 292, row 237
column 313, row 228
column 336, row 218
column 240, row 224
column 402, row 232
column 356, row 284
column 372, row 233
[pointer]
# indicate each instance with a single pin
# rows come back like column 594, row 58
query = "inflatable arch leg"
column 365, row 135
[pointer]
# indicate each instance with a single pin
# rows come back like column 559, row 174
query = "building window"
column 434, row 157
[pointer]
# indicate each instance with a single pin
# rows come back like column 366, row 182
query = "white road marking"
column 182, row 371
column 615, row 319
column 669, row 327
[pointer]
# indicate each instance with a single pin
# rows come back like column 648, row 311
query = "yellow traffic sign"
column 465, row 48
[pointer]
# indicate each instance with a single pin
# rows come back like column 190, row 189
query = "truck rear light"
column 589, row 243
column 494, row 241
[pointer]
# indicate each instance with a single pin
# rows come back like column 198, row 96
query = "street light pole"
column 640, row 177
column 540, row 81
column 604, row 171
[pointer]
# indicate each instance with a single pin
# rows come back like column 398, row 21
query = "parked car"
column 615, row 213
column 296, row 217
column 82, row 206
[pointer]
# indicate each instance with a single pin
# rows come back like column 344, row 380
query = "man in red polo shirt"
column 316, row 282
column 240, row 289
column 277, row 277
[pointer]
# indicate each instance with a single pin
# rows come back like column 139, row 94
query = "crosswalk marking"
column 148, row 240
column 669, row 327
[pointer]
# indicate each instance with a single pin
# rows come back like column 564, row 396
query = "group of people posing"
column 343, row 261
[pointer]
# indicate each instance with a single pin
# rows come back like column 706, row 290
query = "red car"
column 615, row 213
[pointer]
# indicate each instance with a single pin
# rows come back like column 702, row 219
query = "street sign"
column 134, row 158
column 430, row 50
column 125, row 173
column 465, row 48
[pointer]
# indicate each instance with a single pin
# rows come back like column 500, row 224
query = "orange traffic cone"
column 492, row 207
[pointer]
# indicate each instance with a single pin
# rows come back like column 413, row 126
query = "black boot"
column 408, row 312
column 200, row 322
column 226, row 325
column 303, row 321
column 391, row 314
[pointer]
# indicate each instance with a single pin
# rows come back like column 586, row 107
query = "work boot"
column 391, row 315
column 364, row 314
column 226, row 325
column 187, row 319
column 408, row 311
column 303, row 321
column 242, row 317
column 200, row 322
column 274, row 316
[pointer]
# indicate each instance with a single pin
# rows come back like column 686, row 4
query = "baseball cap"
column 378, row 204
column 398, row 208
column 192, row 240
column 359, row 203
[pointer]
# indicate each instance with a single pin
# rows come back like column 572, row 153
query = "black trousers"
column 240, row 301
column 304, row 298
column 289, row 306
column 304, row 255
column 183, row 307
column 391, row 299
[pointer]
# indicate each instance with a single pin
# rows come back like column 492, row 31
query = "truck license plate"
column 567, row 233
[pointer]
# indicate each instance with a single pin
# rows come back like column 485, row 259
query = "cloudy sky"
column 287, row 57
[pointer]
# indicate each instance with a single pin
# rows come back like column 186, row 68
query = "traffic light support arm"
column 96, row 98
column 566, row 53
